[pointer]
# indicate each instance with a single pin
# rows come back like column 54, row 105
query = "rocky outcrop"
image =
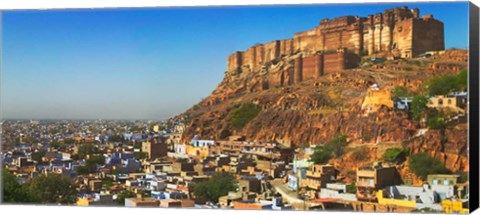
column 311, row 88
column 450, row 146
column 316, row 109
column 313, row 110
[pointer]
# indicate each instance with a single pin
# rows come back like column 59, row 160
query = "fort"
column 339, row 43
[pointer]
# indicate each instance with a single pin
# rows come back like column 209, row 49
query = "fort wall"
column 396, row 30
column 425, row 36
column 315, row 66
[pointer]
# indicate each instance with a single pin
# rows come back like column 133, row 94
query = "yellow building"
column 77, row 138
column 449, row 206
column 375, row 98
column 397, row 202
column 84, row 201
column 156, row 128
column 198, row 151
column 453, row 103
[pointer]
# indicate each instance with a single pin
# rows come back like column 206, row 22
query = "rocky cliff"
column 307, row 98
column 315, row 110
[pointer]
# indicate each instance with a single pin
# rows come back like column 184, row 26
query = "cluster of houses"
column 376, row 97
column 377, row 188
column 268, row 176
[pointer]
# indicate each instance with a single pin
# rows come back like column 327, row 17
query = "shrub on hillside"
column 321, row 155
column 243, row 114
column 437, row 122
column 422, row 165
column 395, row 155
column 418, row 107
column 444, row 85
column 400, row 91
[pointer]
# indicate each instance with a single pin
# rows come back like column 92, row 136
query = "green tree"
column 140, row 155
column 133, row 128
column 444, row 85
column 422, row 165
column 86, row 149
column 82, row 170
column 91, row 165
column 462, row 80
column 68, row 141
column 400, row 91
column 56, row 144
column 107, row 182
column 52, row 188
column 321, row 155
column 13, row 192
column 351, row 188
column 115, row 138
column 395, row 155
column 337, row 145
column 218, row 185
column 418, row 107
column 437, row 122
column 38, row 155
column 118, row 172
column 124, row 195
column 243, row 114
column 95, row 160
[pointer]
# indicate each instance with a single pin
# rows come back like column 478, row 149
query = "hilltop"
column 303, row 94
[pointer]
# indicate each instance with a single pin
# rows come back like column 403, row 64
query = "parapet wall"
column 425, row 35
column 315, row 66
column 256, row 56
column 397, row 30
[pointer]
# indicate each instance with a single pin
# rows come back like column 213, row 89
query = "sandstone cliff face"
column 451, row 147
column 311, row 88
column 315, row 110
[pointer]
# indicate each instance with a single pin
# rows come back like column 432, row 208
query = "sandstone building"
column 154, row 148
column 339, row 43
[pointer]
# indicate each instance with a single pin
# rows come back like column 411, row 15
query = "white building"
column 196, row 142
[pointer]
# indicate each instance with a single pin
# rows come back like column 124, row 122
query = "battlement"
column 398, row 31
column 337, row 22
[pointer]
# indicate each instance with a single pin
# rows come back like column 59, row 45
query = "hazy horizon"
column 151, row 63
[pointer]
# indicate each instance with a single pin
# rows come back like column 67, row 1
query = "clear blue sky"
column 151, row 63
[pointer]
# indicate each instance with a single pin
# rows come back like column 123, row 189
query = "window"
column 449, row 101
column 440, row 102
